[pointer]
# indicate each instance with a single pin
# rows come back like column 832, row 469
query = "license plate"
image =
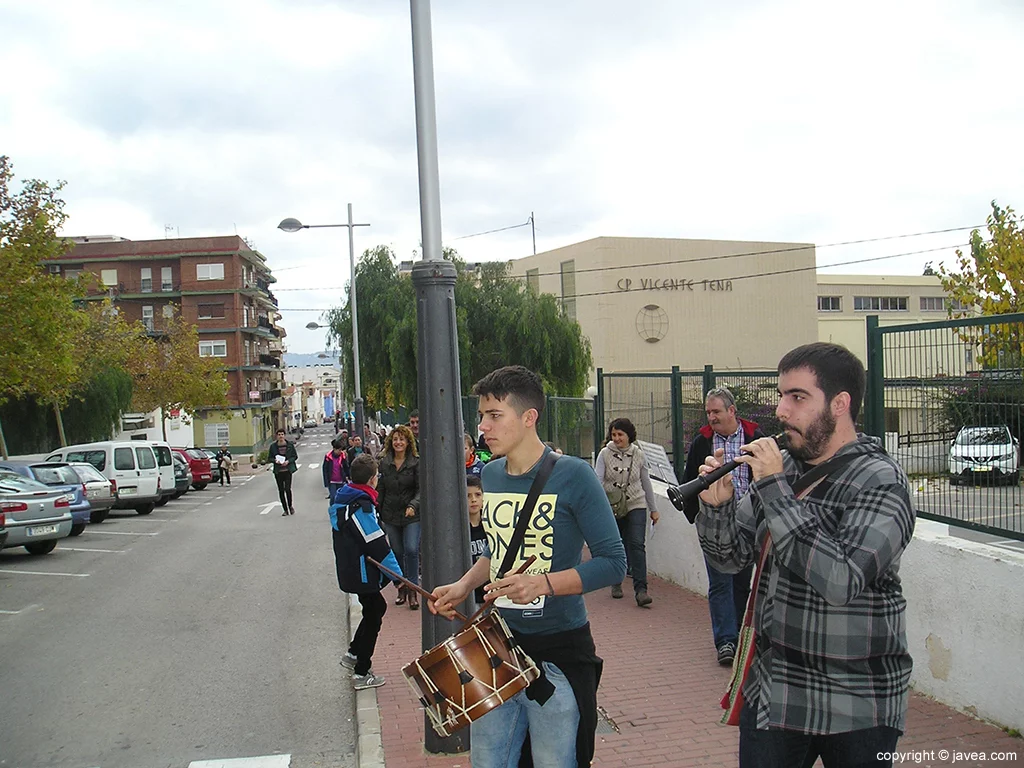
column 95, row 493
column 127, row 491
column 205, row 477
column 982, row 469
column 41, row 530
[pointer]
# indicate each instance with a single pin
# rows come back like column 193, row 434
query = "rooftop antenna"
column 168, row 228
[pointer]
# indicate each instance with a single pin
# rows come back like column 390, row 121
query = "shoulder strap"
column 812, row 476
column 526, row 512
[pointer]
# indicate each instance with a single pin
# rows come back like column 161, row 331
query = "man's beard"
column 815, row 437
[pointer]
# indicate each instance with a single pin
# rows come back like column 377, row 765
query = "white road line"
column 266, row 761
column 125, row 533
column 86, row 549
column 9, row 613
column 313, row 466
column 208, row 504
column 43, row 573
column 218, row 498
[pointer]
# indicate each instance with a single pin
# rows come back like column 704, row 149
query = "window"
column 217, row 434
column 72, row 274
column 123, row 458
column 97, row 458
column 533, row 280
column 147, row 318
column 55, row 269
column 165, row 279
column 245, row 316
column 568, row 269
column 213, row 349
column 940, row 304
column 163, row 455
column 147, row 280
column 108, row 277
column 210, row 311
column 209, row 271
column 830, row 303
column 880, row 303
column 168, row 311
column 146, row 458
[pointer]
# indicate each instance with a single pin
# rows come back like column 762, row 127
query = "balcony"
column 269, row 360
column 266, row 395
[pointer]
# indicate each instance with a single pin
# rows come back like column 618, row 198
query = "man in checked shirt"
column 831, row 667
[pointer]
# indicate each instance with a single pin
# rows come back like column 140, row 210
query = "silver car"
column 98, row 490
column 35, row 515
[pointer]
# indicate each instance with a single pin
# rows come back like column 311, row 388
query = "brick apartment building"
column 218, row 284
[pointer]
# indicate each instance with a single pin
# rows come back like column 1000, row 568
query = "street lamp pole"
column 294, row 225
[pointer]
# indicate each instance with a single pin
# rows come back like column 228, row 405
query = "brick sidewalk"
column 660, row 690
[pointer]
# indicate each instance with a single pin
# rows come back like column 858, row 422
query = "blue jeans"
column 405, row 543
column 727, row 600
column 633, row 530
column 332, row 489
column 496, row 739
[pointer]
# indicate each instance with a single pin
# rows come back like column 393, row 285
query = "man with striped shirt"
column 831, row 666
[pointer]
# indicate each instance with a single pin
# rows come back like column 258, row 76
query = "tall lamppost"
column 294, row 225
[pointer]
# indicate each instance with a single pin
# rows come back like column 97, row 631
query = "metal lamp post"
column 294, row 225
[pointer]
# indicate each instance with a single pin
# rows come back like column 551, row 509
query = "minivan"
column 166, row 468
column 130, row 465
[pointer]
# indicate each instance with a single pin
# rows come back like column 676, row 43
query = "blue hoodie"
column 357, row 534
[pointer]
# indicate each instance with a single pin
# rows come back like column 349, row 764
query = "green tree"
column 499, row 322
column 989, row 279
column 168, row 373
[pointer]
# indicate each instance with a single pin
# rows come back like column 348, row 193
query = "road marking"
column 218, row 498
column 208, row 504
column 267, row 507
column 313, row 466
column 125, row 533
column 266, row 761
column 43, row 573
column 86, row 549
column 15, row 613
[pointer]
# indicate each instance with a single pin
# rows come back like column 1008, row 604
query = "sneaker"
column 291, row 510
column 348, row 661
column 285, row 513
column 643, row 599
column 617, row 591
column 726, row 653
column 369, row 680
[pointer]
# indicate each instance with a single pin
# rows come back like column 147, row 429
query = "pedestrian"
column 355, row 529
column 544, row 606
column 414, row 424
column 727, row 592
column 370, row 443
column 622, row 469
column 473, row 464
column 477, row 535
column 224, row 464
column 399, row 491
column 335, row 468
column 284, row 457
column 830, row 668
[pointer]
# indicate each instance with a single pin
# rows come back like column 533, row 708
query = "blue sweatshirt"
column 571, row 510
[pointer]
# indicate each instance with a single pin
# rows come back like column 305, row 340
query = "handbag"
column 617, row 497
column 732, row 701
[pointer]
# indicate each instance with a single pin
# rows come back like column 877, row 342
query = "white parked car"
column 984, row 453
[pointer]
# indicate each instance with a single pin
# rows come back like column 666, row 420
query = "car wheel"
column 1013, row 478
column 145, row 509
column 76, row 529
column 954, row 480
column 98, row 516
column 199, row 486
column 41, row 547
column 163, row 500
column 178, row 494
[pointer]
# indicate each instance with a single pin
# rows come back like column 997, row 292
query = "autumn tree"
column 169, row 374
column 989, row 279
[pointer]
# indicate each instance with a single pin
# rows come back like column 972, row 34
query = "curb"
column 369, row 747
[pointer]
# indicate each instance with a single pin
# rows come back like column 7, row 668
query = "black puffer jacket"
column 398, row 489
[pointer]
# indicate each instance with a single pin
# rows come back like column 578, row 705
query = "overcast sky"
column 788, row 120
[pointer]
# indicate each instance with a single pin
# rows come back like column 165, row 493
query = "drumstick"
column 487, row 606
column 415, row 587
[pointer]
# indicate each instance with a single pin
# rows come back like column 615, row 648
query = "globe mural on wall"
column 652, row 323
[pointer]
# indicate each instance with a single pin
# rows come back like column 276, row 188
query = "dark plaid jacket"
column 831, row 654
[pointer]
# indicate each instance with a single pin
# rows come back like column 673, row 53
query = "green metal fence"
column 567, row 423
column 948, row 399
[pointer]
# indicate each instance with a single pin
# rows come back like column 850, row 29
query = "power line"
column 492, row 231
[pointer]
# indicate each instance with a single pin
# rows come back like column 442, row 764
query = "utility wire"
column 492, row 231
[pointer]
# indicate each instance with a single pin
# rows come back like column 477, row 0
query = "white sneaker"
column 369, row 680
column 348, row 661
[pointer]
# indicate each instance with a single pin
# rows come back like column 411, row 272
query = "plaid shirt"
column 831, row 653
column 731, row 445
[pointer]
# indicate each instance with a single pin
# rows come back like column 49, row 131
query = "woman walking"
column 398, row 499
column 622, row 470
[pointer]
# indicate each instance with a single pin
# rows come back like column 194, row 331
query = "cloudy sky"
column 789, row 120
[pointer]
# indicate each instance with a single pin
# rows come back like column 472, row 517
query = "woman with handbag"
column 622, row 470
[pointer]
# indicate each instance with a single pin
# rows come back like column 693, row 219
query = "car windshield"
column 12, row 483
column 62, row 475
column 195, row 453
column 994, row 436
column 88, row 473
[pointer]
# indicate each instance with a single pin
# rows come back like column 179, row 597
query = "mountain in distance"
column 309, row 358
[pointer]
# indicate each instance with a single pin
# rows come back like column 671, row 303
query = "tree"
column 499, row 322
column 990, row 280
column 169, row 374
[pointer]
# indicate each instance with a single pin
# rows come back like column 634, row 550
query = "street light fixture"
column 294, row 225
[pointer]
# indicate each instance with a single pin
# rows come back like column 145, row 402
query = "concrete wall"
column 965, row 611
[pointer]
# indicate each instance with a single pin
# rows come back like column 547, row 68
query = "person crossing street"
column 284, row 457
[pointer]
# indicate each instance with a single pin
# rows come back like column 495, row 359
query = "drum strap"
column 526, row 512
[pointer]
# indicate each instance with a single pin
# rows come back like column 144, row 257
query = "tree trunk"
column 60, row 425
column 3, row 444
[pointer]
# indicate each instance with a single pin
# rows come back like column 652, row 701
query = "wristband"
column 551, row 589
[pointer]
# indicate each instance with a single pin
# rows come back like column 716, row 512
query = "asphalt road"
column 204, row 631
